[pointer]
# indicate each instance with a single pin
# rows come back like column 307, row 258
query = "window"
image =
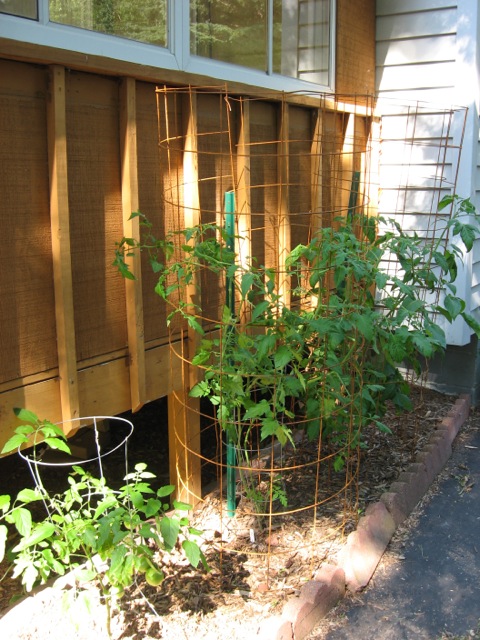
column 301, row 42
column 143, row 21
column 22, row 8
column 289, row 37
column 276, row 44
column 234, row 32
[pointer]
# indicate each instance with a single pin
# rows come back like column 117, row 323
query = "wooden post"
column 331, row 153
column 347, row 163
column 243, row 195
column 131, row 229
column 283, row 215
column 316, row 182
column 184, row 411
column 61, row 253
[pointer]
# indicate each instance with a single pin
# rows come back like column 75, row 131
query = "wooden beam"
column 131, row 229
column 283, row 211
column 243, row 192
column 346, row 164
column 316, row 182
column 103, row 388
column 333, row 134
column 61, row 254
column 184, row 440
column 183, row 410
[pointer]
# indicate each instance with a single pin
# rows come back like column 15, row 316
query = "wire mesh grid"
column 289, row 402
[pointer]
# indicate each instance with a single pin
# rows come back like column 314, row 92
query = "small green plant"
column 102, row 535
column 265, row 495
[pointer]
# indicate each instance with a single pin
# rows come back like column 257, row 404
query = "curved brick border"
column 364, row 547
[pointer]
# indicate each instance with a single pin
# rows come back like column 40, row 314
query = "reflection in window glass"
column 301, row 39
column 22, row 8
column 145, row 21
column 227, row 31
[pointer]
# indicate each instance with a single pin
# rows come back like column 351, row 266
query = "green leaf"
column 200, row 390
column 396, row 349
column 181, row 506
column 14, row 442
column 321, row 325
column 382, row 427
column 282, row 357
column 201, row 357
column 260, row 309
column 468, row 234
column 441, row 261
column 423, row 344
column 195, row 325
column 472, row 323
column 40, row 532
column 364, row 324
column 381, row 280
column 192, row 551
column 152, row 507
column 454, row 305
column 58, row 443
column 445, row 202
column 271, row 427
column 26, row 416
column 169, row 528
column 247, row 281
column 436, row 333
column 264, row 344
column 29, row 577
column 167, row 490
column 22, row 519
column 402, row 401
column 49, row 429
column 4, row 502
column 104, row 505
column 28, row 495
column 259, row 409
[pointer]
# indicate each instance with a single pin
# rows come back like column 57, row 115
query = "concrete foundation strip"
column 365, row 547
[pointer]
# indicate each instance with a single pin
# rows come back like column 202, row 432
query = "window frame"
column 176, row 57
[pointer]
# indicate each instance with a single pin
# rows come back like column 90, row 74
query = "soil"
column 256, row 563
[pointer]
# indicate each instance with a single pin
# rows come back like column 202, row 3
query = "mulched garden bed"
column 256, row 564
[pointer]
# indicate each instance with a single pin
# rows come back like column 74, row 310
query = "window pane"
column 230, row 31
column 145, row 21
column 301, row 39
column 22, row 8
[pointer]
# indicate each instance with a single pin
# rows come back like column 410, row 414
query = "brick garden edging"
column 364, row 547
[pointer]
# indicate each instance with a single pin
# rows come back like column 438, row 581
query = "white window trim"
column 177, row 57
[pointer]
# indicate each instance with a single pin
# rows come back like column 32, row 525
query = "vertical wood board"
column 152, row 176
column 131, row 229
column 61, row 245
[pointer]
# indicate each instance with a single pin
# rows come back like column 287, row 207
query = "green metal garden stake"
column 230, row 284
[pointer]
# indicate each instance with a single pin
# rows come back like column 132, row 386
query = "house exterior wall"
column 79, row 142
column 428, row 50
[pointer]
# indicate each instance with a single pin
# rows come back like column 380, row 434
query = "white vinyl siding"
column 425, row 52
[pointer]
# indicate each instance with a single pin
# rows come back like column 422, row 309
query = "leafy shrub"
column 332, row 359
column 103, row 535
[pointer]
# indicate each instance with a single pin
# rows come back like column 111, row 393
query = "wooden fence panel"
column 95, row 213
column 27, row 309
